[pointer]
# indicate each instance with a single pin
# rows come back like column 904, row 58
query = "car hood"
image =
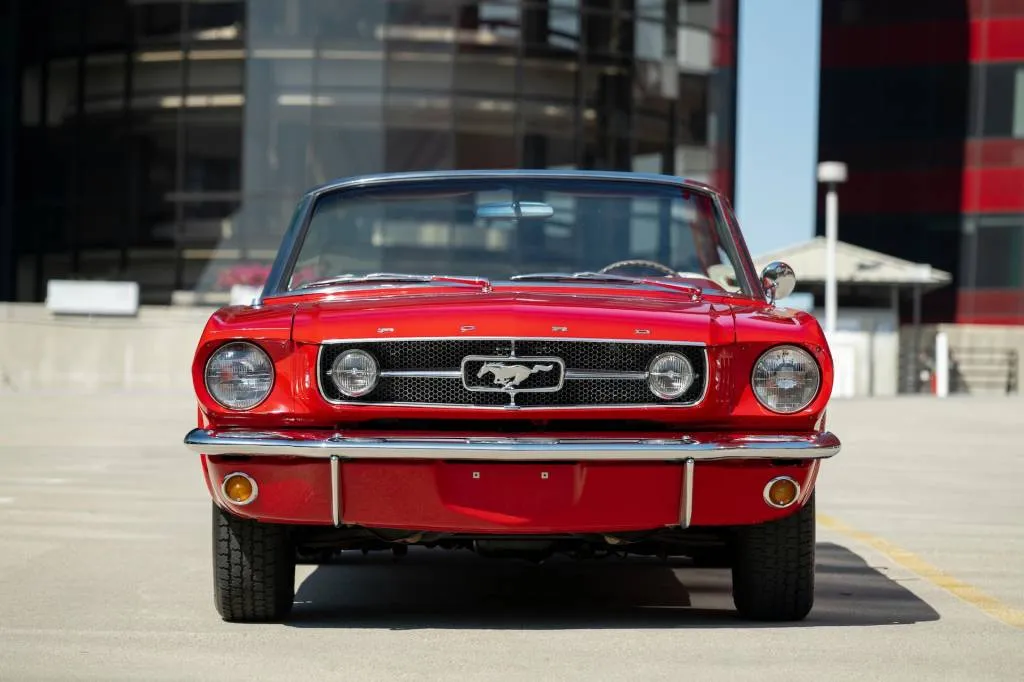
column 516, row 314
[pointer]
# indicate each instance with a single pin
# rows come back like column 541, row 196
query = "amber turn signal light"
column 239, row 488
column 781, row 492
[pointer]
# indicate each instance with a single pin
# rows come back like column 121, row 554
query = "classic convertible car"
column 518, row 363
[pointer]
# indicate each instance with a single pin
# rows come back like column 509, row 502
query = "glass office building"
column 925, row 103
column 167, row 142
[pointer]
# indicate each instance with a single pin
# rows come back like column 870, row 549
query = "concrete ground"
column 105, row 569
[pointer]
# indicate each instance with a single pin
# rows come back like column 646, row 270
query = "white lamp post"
column 832, row 173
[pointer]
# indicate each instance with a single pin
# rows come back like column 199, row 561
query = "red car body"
column 657, row 478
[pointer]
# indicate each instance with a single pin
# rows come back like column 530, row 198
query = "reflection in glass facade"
column 167, row 142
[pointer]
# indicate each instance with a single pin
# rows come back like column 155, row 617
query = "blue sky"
column 777, row 125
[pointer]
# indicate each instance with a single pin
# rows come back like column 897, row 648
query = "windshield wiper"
column 693, row 291
column 395, row 278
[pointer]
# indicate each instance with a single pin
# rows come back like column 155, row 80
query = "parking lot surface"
column 105, row 569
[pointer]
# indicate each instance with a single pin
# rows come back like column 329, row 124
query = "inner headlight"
column 239, row 375
column 786, row 379
column 355, row 373
column 669, row 375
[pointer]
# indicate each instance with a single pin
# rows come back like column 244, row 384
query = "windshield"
column 524, row 228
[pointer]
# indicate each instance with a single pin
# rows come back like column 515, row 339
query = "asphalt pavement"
column 105, row 569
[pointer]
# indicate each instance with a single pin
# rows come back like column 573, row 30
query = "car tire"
column 773, row 568
column 253, row 569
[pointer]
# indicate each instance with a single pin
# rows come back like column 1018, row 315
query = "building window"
column 1004, row 100
column 1018, row 104
column 994, row 253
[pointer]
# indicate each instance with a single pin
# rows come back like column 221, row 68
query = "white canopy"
column 854, row 265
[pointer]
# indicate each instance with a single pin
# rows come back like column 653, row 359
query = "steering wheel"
column 640, row 262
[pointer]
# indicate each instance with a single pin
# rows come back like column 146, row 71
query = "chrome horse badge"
column 510, row 376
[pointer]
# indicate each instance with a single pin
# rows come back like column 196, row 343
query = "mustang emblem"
column 510, row 376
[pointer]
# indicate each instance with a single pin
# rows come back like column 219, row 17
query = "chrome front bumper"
column 702, row 447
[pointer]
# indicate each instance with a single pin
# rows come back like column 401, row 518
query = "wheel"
column 773, row 568
column 253, row 569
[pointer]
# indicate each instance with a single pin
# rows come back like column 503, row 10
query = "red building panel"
column 990, row 306
column 923, row 42
column 919, row 191
column 997, row 40
column 950, row 190
column 903, row 44
column 993, row 190
column 994, row 153
column 980, row 9
column 725, row 35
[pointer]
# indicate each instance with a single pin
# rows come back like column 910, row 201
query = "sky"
column 777, row 124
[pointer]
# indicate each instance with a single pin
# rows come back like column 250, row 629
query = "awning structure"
column 855, row 265
column 861, row 271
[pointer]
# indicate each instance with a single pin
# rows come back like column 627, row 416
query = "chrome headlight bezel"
column 249, row 347
column 333, row 372
column 805, row 355
column 667, row 395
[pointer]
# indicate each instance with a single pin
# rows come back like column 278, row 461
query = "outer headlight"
column 669, row 375
column 786, row 379
column 239, row 375
column 355, row 373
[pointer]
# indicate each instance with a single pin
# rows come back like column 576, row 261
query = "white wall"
column 866, row 363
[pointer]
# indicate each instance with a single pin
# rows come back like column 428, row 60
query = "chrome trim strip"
column 686, row 513
column 457, row 406
column 390, row 339
column 456, row 374
column 335, row 491
column 284, row 444
column 768, row 501
column 422, row 373
column 598, row 374
column 388, row 178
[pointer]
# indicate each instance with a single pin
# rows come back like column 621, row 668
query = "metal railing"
column 979, row 368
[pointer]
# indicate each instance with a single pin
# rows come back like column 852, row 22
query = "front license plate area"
column 512, row 491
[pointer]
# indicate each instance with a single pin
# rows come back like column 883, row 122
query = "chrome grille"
column 608, row 373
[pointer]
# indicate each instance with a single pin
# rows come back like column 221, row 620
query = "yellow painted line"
column 915, row 564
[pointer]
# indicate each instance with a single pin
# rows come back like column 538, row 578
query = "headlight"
column 669, row 375
column 786, row 379
column 239, row 375
column 355, row 373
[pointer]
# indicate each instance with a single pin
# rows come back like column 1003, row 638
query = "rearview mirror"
column 778, row 281
column 514, row 209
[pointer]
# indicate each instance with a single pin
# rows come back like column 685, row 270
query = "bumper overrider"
column 511, row 484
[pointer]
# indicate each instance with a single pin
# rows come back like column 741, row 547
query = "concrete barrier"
column 40, row 350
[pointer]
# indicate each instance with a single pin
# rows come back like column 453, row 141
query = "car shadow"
column 444, row 589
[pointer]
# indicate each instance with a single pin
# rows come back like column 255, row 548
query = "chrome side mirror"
column 778, row 281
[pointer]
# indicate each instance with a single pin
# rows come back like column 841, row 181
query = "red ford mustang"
column 519, row 363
